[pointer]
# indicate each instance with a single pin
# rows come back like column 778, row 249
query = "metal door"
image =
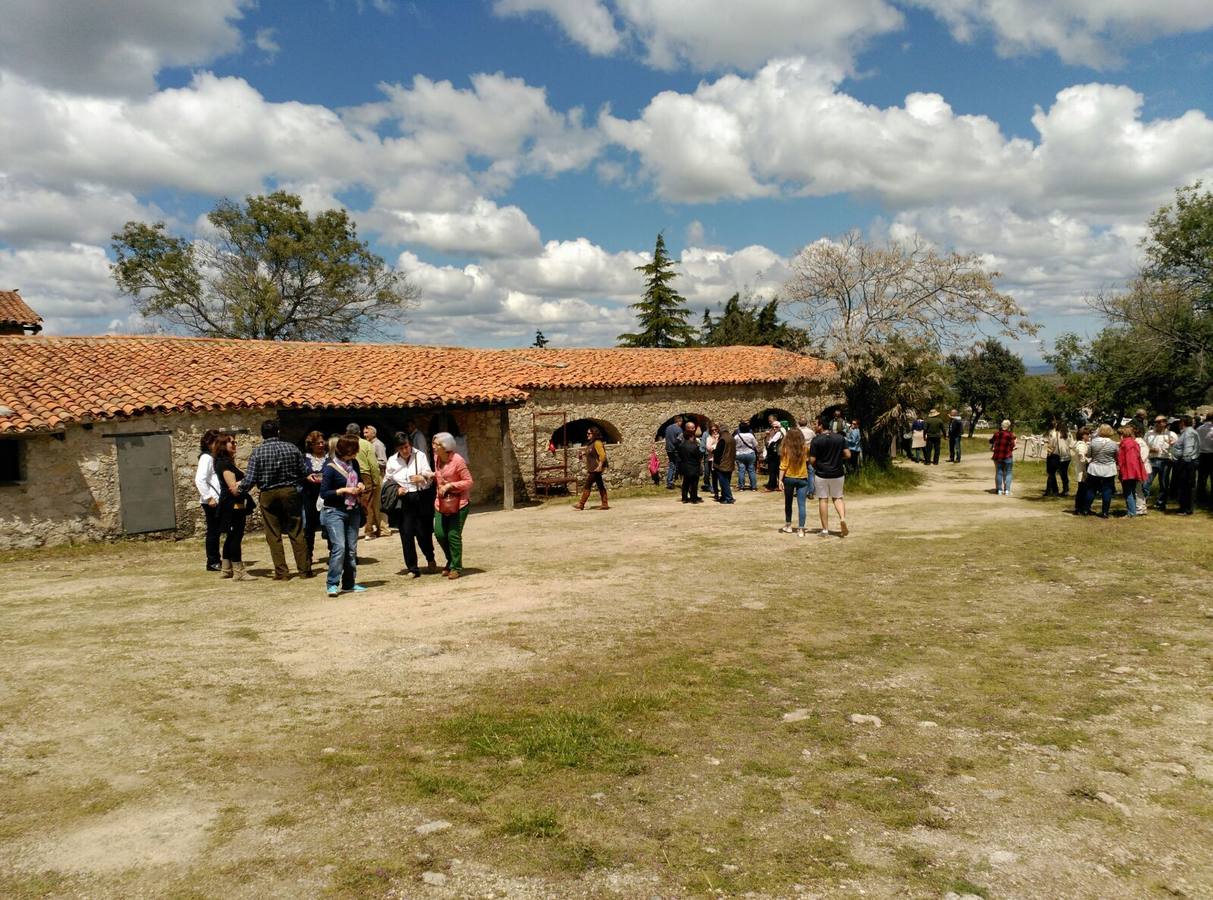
column 145, row 482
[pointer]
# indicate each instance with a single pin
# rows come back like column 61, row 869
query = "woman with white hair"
column 1002, row 450
column 454, row 490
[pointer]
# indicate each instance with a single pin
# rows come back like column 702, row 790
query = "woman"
column 796, row 478
column 1129, row 464
column 918, row 439
column 1101, row 470
column 689, row 459
column 410, row 471
column 709, row 467
column 207, row 483
column 234, row 506
column 454, row 492
column 855, row 444
column 340, row 488
column 595, row 457
column 1080, row 452
column 774, row 439
column 747, row 457
column 315, row 454
column 1002, row 447
column 1057, row 460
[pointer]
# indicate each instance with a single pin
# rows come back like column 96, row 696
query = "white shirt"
column 205, row 479
column 1160, row 444
column 400, row 471
column 807, row 432
column 1204, row 435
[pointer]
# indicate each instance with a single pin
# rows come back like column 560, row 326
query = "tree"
column 1036, row 401
column 745, row 323
column 540, row 340
column 662, row 312
column 984, row 378
column 877, row 310
column 1179, row 247
column 271, row 271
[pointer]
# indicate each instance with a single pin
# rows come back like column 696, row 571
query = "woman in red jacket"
column 1129, row 465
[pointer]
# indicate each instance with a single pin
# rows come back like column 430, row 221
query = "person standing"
column 724, row 461
column 278, row 470
column 709, row 460
column 314, row 457
column 689, row 462
column 1057, row 460
column 1002, row 451
column 410, row 471
column 918, row 439
column 933, row 428
column 1159, row 441
column 1080, row 452
column 1101, row 470
column 805, row 429
column 747, row 457
column 854, row 444
column 827, row 457
column 234, row 507
column 956, row 429
column 368, row 468
column 794, row 478
column 1185, row 455
column 416, row 436
column 673, row 437
column 774, row 440
column 594, row 454
column 1204, row 460
column 207, row 483
column 1128, row 464
column 454, row 493
column 341, row 486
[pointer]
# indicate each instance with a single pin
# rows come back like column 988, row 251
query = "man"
column 1184, row 456
column 934, row 427
column 277, row 469
column 673, row 437
column 724, row 461
column 1204, row 462
column 1159, row 442
column 803, row 424
column 855, row 445
column 1140, row 422
column 370, row 432
column 417, row 436
column 368, row 466
column 828, row 455
column 956, row 428
column 838, row 424
column 774, row 441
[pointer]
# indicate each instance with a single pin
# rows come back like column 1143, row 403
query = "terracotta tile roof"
column 50, row 382
column 14, row 311
column 622, row 367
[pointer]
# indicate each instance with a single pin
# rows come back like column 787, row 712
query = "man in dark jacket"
column 690, row 464
column 956, row 428
column 673, row 437
column 935, row 428
column 724, row 461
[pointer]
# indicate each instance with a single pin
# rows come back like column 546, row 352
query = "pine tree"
column 662, row 312
column 540, row 340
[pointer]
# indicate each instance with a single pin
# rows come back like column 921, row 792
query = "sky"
column 517, row 158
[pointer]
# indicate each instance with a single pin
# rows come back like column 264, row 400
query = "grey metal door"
column 145, row 482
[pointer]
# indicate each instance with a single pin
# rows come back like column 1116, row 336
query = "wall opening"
column 574, row 433
column 10, row 461
column 700, row 420
column 758, row 421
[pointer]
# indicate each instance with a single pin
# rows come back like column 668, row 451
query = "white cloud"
column 266, row 42
column 484, row 227
column 114, row 47
column 32, row 214
column 587, row 22
column 70, row 287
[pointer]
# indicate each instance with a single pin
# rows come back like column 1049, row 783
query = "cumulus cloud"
column 32, row 214
column 484, row 227
column 69, row 286
column 587, row 22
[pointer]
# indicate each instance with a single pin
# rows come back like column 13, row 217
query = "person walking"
column 341, row 488
column 371, row 434
column 723, row 462
column 1204, row 460
column 454, row 493
column 277, row 469
column 854, row 438
column 1002, row 451
column 1185, row 455
column 689, row 463
column 673, row 437
column 594, row 454
column 1159, row 441
column 934, row 428
column 795, row 478
column 1101, row 470
column 1057, row 460
column 207, row 483
column 368, row 468
column 1080, row 452
column 1129, row 465
column 956, row 429
column 409, row 470
column 747, row 457
column 775, row 434
column 315, row 455
column 709, row 460
column 827, row 458
column 234, row 507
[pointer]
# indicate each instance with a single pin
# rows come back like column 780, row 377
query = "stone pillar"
column 507, row 470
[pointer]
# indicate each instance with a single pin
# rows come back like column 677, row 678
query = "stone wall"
column 636, row 413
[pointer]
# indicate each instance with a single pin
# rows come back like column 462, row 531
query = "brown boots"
column 580, row 504
column 226, row 568
column 602, row 497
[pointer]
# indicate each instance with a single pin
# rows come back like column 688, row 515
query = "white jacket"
column 205, row 480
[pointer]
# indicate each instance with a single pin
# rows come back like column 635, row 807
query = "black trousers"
column 212, row 533
column 231, row 526
column 1183, row 482
column 773, row 468
column 1056, row 468
column 1204, row 476
column 932, row 450
column 690, row 487
column 417, row 528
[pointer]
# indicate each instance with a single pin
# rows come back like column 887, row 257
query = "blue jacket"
column 331, row 478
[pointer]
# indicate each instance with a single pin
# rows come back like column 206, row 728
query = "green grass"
column 875, row 479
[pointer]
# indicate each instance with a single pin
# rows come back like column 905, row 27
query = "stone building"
column 99, row 436
column 16, row 317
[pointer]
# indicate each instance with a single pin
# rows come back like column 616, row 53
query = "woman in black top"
column 690, row 461
column 315, row 449
column 234, row 507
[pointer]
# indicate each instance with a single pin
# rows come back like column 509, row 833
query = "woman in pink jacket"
column 454, row 491
column 1129, row 465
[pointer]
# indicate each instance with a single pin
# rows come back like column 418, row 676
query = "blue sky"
column 516, row 158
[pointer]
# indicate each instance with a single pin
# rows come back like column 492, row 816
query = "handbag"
column 448, row 504
column 389, row 497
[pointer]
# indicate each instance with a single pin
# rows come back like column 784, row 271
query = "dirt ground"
column 652, row 701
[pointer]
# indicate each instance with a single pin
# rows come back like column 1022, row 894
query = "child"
column 654, row 468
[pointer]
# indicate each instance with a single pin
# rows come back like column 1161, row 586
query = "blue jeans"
column 954, row 449
column 1130, row 490
column 670, row 471
column 1002, row 474
column 724, row 485
column 1160, row 471
column 341, row 529
column 799, row 487
column 747, row 466
column 1101, row 486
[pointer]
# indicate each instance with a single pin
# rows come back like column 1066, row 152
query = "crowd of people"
column 335, row 486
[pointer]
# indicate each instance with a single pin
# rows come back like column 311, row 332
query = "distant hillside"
column 1043, row 369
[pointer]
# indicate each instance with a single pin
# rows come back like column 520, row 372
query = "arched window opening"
column 759, row 421
column 574, row 433
column 702, row 421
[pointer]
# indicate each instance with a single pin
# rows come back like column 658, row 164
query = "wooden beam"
column 507, row 470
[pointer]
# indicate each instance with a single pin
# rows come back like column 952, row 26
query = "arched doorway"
column 574, row 433
column 700, row 420
column 758, row 421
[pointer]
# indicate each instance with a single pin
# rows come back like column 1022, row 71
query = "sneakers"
column 358, row 589
column 825, row 532
column 333, row 592
column 787, row 529
column 799, row 532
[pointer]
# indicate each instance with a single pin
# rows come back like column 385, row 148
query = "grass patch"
column 892, row 479
column 532, row 823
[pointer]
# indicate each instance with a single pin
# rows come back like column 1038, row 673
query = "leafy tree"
column 1179, row 247
column 744, row 323
column 271, row 271
column 984, row 378
column 540, row 340
column 662, row 312
column 1036, row 401
column 877, row 310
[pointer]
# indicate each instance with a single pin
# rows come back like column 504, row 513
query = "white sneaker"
column 825, row 532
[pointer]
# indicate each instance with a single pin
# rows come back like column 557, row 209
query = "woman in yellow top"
column 795, row 477
column 595, row 463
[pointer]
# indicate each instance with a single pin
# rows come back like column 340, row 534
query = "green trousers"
column 449, row 531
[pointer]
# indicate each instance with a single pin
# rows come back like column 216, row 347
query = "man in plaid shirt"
column 277, row 469
column 1002, row 445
